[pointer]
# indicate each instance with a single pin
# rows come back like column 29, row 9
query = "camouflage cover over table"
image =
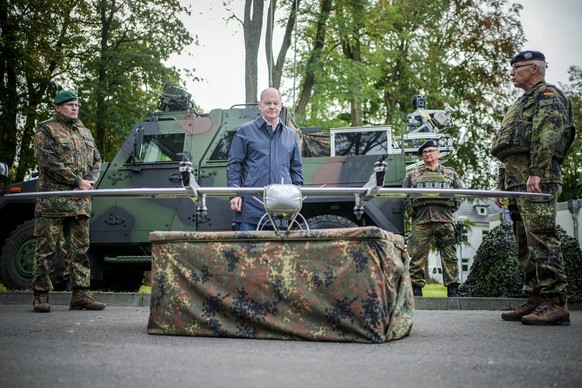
column 324, row 285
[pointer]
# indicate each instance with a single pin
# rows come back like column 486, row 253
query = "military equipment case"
column 348, row 285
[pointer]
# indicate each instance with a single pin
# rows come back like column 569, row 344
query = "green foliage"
column 133, row 42
column 39, row 42
column 493, row 265
column 572, row 167
column 573, row 263
column 496, row 271
column 377, row 55
column 111, row 53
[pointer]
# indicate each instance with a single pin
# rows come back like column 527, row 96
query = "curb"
column 63, row 298
column 143, row 300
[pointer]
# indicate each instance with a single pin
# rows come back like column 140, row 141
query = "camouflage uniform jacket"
column 424, row 210
column 65, row 154
column 545, row 115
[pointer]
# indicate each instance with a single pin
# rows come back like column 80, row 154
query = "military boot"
column 453, row 291
column 552, row 311
column 416, row 290
column 40, row 303
column 526, row 308
column 80, row 300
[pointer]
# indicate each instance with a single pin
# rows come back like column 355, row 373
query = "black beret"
column 64, row 96
column 528, row 55
column 428, row 143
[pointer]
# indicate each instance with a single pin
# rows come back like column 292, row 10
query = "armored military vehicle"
column 150, row 158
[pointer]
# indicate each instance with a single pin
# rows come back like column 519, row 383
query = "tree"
column 288, row 25
column 252, row 27
column 37, row 43
column 380, row 54
column 109, row 51
column 123, row 67
column 571, row 169
column 252, row 24
column 313, row 59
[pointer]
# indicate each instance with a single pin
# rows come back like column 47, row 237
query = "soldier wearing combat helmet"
column 534, row 138
column 432, row 218
column 67, row 159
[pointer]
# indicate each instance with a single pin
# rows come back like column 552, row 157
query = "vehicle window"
column 361, row 143
column 223, row 146
column 161, row 148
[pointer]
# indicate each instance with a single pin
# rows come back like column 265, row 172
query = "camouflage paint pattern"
column 432, row 219
column 346, row 285
column 527, row 144
column 419, row 244
column 73, row 235
column 531, row 133
column 425, row 210
column 538, row 244
column 65, row 153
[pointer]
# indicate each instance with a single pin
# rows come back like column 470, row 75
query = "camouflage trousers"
column 538, row 244
column 71, row 234
column 419, row 245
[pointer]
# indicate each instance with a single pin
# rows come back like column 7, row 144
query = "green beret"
column 64, row 96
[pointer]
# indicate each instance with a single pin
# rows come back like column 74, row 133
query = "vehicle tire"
column 330, row 222
column 17, row 258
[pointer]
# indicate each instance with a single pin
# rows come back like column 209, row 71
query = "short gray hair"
column 542, row 66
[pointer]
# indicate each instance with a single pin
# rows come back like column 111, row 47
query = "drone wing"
column 180, row 192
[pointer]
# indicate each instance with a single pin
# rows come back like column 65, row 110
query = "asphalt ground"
column 457, row 347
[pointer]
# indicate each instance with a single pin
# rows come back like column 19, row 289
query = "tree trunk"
column 278, row 67
column 8, row 88
column 252, row 26
column 318, row 43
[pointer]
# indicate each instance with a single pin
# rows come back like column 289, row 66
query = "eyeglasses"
column 427, row 152
column 514, row 68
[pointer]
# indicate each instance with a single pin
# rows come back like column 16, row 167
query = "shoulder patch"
column 546, row 102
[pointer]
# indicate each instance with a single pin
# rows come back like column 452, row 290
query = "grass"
column 145, row 289
column 434, row 290
column 430, row 290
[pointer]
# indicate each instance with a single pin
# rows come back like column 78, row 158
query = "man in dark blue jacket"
column 263, row 152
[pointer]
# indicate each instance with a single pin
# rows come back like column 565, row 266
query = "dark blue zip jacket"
column 259, row 157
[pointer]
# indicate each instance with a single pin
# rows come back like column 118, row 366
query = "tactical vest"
column 432, row 180
column 515, row 134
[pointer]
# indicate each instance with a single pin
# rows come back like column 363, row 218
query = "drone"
column 282, row 201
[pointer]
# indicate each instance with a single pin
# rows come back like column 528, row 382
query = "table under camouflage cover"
column 343, row 285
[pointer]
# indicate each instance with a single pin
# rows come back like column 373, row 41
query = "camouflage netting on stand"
column 496, row 271
column 348, row 285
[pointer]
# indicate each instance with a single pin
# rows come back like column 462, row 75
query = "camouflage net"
column 496, row 271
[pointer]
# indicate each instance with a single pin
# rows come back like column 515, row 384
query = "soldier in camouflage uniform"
column 432, row 218
column 531, row 146
column 67, row 159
